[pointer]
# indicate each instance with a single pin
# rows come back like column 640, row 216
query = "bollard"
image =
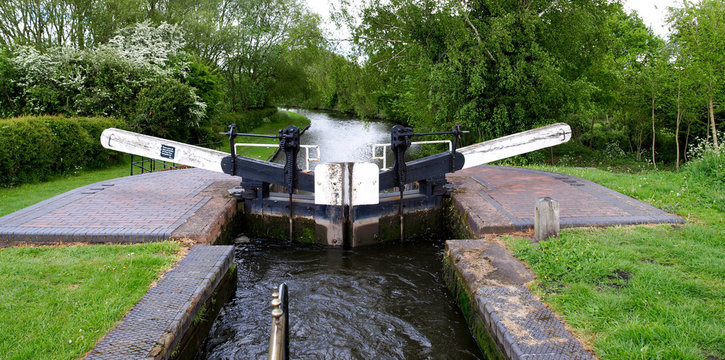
column 546, row 218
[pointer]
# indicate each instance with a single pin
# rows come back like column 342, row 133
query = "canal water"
column 341, row 138
column 372, row 303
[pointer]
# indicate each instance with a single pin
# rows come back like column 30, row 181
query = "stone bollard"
column 546, row 218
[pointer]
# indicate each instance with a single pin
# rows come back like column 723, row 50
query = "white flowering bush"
column 149, row 47
column 707, row 162
column 113, row 79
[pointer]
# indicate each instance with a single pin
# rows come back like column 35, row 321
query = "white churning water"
column 342, row 138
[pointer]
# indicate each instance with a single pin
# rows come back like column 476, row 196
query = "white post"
column 307, row 158
column 546, row 218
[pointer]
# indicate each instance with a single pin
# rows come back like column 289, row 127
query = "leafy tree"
column 699, row 32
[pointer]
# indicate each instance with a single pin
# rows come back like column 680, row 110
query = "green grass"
column 57, row 302
column 643, row 292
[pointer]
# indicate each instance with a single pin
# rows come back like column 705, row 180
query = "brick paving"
column 500, row 199
column 156, row 324
column 139, row 208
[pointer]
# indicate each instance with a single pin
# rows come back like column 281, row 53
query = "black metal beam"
column 422, row 169
column 265, row 171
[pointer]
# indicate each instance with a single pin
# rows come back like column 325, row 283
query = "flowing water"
column 372, row 303
column 341, row 138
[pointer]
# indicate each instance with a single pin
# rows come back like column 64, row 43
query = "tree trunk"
column 677, row 126
column 712, row 115
column 654, row 162
column 687, row 140
column 591, row 136
column 639, row 145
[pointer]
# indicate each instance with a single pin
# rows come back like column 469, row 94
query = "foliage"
column 38, row 148
column 707, row 164
column 654, row 291
column 247, row 120
column 168, row 109
column 260, row 34
column 59, row 301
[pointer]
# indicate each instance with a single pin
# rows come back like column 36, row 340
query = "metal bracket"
column 254, row 170
column 429, row 167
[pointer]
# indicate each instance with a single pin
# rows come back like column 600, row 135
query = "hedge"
column 37, row 148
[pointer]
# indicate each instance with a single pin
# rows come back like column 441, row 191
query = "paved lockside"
column 139, row 208
column 513, row 317
column 497, row 199
column 156, row 324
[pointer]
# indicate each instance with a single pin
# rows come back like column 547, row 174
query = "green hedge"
column 37, row 148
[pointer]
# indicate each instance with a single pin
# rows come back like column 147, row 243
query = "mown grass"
column 57, row 302
column 643, row 292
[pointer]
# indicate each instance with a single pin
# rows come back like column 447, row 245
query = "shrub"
column 168, row 109
column 707, row 164
column 38, row 148
column 8, row 90
column 124, row 78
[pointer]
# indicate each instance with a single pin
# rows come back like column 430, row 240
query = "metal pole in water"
column 284, row 298
column 400, row 214
column 279, row 337
column 291, row 214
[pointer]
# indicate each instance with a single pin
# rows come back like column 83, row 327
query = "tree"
column 699, row 31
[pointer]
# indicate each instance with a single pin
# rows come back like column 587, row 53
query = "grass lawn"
column 18, row 197
column 643, row 292
column 57, row 302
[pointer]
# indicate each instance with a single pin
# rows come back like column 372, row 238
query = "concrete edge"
column 161, row 320
column 505, row 318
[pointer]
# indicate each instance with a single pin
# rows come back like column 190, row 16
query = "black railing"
column 145, row 165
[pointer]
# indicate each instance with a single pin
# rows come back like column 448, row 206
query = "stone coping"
column 155, row 326
column 515, row 322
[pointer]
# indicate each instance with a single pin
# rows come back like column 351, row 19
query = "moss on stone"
column 455, row 221
column 466, row 302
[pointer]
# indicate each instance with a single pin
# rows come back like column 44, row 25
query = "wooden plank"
column 516, row 144
column 162, row 149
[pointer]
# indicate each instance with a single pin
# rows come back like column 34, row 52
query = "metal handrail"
column 279, row 337
column 306, row 147
column 385, row 147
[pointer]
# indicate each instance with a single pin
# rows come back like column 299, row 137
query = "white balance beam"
column 162, row 149
column 516, row 144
